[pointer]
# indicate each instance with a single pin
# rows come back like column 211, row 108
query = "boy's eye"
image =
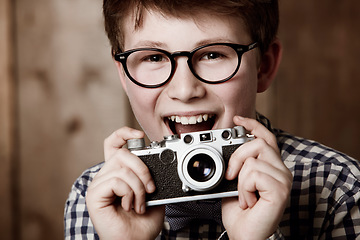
column 154, row 58
column 212, row 56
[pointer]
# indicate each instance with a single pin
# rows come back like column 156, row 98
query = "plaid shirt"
column 324, row 202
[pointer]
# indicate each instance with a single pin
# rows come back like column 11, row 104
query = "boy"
column 197, row 65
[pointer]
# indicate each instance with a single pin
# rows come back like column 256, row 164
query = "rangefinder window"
column 205, row 137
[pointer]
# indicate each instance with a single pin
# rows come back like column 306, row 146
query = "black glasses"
column 211, row 63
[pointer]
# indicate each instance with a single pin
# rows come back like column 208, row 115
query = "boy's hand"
column 123, row 176
column 264, row 185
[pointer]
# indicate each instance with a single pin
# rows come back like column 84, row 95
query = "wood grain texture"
column 7, row 119
column 70, row 99
column 315, row 94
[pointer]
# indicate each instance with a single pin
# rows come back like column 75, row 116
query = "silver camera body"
column 191, row 166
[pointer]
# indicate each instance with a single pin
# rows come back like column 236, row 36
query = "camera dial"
column 136, row 144
column 171, row 137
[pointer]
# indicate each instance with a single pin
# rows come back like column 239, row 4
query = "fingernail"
column 229, row 173
column 150, row 187
column 240, row 117
column 142, row 209
column 242, row 205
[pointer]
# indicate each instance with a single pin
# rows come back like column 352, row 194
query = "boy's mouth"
column 185, row 124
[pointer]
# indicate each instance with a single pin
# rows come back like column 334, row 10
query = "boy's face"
column 185, row 97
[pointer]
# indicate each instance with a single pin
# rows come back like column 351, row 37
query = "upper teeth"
column 191, row 119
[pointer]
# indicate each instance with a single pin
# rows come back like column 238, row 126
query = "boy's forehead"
column 137, row 16
column 135, row 21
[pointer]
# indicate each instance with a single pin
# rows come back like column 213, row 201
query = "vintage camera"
column 191, row 166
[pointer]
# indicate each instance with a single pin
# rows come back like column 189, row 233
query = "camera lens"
column 201, row 167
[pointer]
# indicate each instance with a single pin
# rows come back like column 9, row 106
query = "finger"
column 137, row 187
column 246, row 194
column 246, row 184
column 125, row 159
column 252, row 164
column 137, row 198
column 257, row 129
column 256, row 148
column 270, row 189
column 254, row 188
column 118, row 139
column 127, row 202
column 258, row 177
column 133, row 162
column 103, row 195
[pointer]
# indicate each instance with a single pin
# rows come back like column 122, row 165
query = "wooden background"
column 60, row 97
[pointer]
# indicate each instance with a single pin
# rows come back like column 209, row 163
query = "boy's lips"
column 184, row 124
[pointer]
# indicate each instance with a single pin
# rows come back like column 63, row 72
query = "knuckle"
column 107, row 141
column 129, row 193
column 256, row 174
column 115, row 135
column 272, row 139
column 284, row 194
column 140, row 192
column 125, row 171
column 118, row 133
column 261, row 142
column 122, row 151
column 114, row 181
column 289, row 184
column 114, row 163
column 143, row 171
column 119, row 155
column 250, row 163
column 273, row 142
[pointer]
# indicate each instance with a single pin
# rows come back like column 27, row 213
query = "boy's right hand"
column 123, row 176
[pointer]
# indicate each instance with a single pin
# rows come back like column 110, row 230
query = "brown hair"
column 260, row 16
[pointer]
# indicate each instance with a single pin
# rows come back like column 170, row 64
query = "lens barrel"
column 201, row 168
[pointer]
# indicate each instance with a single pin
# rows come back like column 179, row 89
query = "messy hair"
column 261, row 17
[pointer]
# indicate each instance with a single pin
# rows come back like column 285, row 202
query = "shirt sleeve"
column 342, row 220
column 77, row 222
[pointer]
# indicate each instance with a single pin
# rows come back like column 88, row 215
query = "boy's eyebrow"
column 161, row 45
column 214, row 40
column 151, row 44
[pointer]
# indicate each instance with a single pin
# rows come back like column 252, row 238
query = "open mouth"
column 186, row 124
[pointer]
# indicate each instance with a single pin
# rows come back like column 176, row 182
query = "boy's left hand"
column 264, row 185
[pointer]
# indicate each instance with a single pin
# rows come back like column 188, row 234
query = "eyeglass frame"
column 239, row 49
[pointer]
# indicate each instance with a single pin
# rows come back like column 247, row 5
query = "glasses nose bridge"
column 182, row 54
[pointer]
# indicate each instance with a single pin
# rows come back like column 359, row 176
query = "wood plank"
column 6, row 121
column 70, row 99
column 316, row 90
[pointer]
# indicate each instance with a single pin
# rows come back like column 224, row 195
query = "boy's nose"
column 184, row 86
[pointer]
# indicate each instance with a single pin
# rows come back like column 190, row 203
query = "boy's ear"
column 269, row 65
column 121, row 73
